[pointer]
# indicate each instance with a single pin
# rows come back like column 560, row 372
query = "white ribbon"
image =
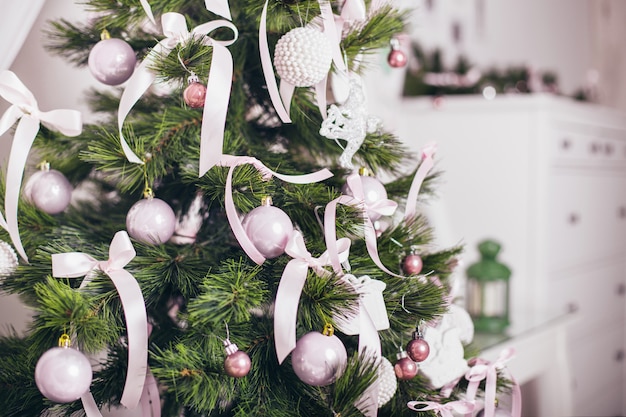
column 218, row 85
column 24, row 108
column 219, row 7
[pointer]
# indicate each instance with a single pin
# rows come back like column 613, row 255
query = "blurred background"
column 535, row 57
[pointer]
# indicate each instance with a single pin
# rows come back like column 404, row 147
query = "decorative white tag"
column 371, row 302
column 446, row 361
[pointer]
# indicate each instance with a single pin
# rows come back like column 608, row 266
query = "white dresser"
column 546, row 177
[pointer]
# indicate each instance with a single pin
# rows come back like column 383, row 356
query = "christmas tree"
column 228, row 249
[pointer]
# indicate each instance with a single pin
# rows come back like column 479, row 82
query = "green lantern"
column 488, row 290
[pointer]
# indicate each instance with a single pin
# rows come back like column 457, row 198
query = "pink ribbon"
column 148, row 10
column 426, row 165
column 231, row 211
column 489, row 371
column 290, row 288
column 444, row 410
column 369, row 340
column 24, row 108
column 383, row 207
column 218, row 85
column 268, row 69
column 219, row 7
column 121, row 252
column 353, row 11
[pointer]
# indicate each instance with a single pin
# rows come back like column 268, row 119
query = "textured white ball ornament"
column 8, row 259
column 303, row 57
column 388, row 384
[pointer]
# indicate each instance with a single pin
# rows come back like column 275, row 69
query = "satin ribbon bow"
column 290, row 287
column 444, row 410
column 121, row 252
column 218, row 85
column 281, row 98
column 219, row 7
column 382, row 207
column 24, row 108
column 489, row 372
column 231, row 211
column 427, row 155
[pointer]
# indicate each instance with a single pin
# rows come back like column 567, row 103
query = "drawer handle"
column 596, row 147
column 619, row 355
column 566, row 144
column 572, row 307
column 621, row 289
column 573, row 218
column 622, row 212
column 608, row 149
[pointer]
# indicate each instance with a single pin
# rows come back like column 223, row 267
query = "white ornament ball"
column 63, row 374
column 49, row 191
column 303, row 57
column 269, row 229
column 373, row 191
column 8, row 259
column 387, row 382
column 151, row 221
column 112, row 61
column 318, row 359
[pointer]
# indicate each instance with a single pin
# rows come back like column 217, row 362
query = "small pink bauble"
column 151, row 221
column 269, row 229
column 405, row 367
column 396, row 58
column 412, row 264
column 194, row 95
column 49, row 191
column 112, row 61
column 418, row 349
column 63, row 374
column 318, row 359
column 237, row 364
column 373, row 191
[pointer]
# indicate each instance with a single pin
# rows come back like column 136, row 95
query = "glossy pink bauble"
column 151, row 221
column 405, row 368
column 237, row 364
column 318, row 359
column 373, row 191
column 396, row 58
column 63, row 374
column 418, row 349
column 112, row 61
column 194, row 95
column 412, row 264
column 269, row 229
column 49, row 191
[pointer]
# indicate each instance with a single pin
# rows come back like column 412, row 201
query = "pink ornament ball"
column 151, row 221
column 397, row 58
column 63, row 374
column 49, row 191
column 318, row 359
column 412, row 264
column 112, row 61
column 418, row 349
column 237, row 364
column 373, row 191
column 269, row 229
column 194, row 95
column 405, row 367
